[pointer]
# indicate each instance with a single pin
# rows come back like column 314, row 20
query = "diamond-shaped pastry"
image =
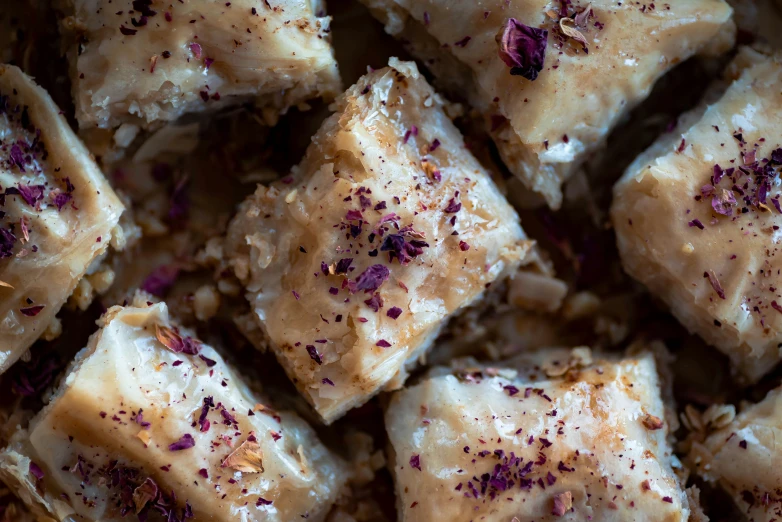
column 387, row 227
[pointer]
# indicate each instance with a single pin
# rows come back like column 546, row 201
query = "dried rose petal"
column 144, row 7
column 17, row 157
column 522, row 48
column 453, row 206
column 160, row 280
column 139, row 419
column 375, row 302
column 715, row 283
column 464, row 41
column 173, row 340
column 313, row 353
column 372, row 278
column 718, row 173
column 512, row 390
column 343, row 265
column 415, row 462
column 32, row 378
column 354, row 215
column 400, row 247
column 31, row 194
column 247, row 458
column 36, row 471
column 209, row 362
column 723, row 202
column 208, row 403
column 696, row 223
column 186, row 442
column 32, row 311
column 7, row 242
column 61, row 199
column 145, row 493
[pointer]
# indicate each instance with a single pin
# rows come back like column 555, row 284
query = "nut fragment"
column 206, row 302
column 247, row 458
column 718, row 416
column 652, row 422
column 145, row 493
column 563, row 503
column 571, row 31
column 144, row 437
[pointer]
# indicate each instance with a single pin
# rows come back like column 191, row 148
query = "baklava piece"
column 149, row 420
column 57, row 213
column 388, row 226
column 697, row 218
column 146, row 62
column 553, row 78
column 570, row 439
column 743, row 456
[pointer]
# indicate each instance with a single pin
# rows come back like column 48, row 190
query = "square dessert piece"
column 553, row 78
column 743, row 458
column 149, row 420
column 57, row 212
column 147, row 62
column 569, row 439
column 697, row 218
column 387, row 227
